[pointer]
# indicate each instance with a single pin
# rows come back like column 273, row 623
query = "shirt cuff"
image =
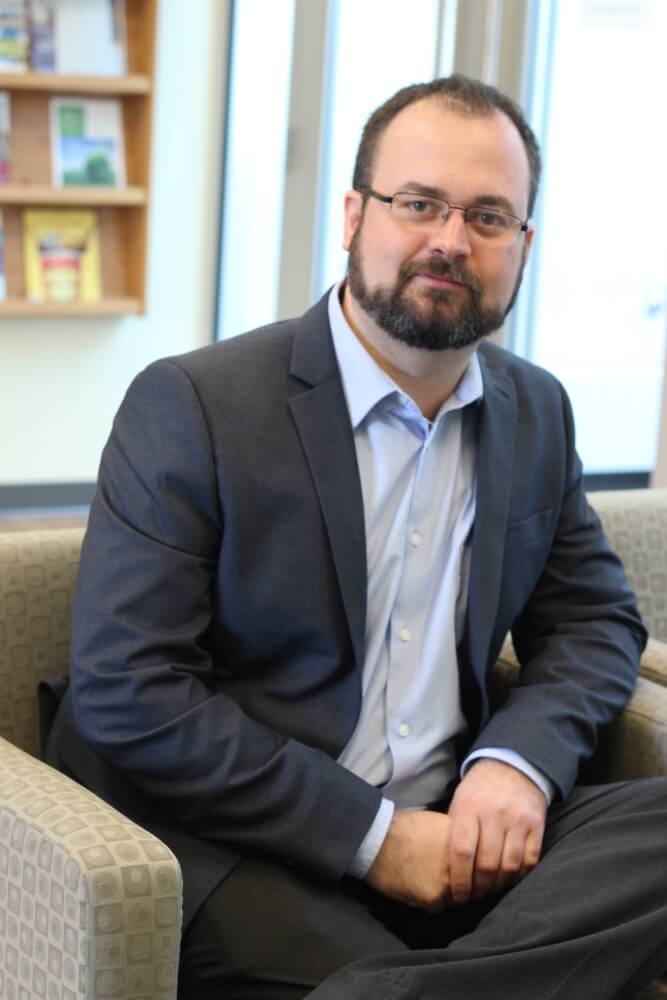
column 373, row 841
column 545, row 785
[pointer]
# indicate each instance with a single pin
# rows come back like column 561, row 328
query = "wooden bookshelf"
column 58, row 83
column 105, row 307
column 42, row 195
column 122, row 212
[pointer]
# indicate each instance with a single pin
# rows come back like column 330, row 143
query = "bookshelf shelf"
column 121, row 213
column 105, row 307
column 40, row 195
column 57, row 83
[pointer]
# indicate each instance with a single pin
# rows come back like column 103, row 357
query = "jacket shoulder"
column 260, row 356
column 500, row 359
column 265, row 346
column 529, row 380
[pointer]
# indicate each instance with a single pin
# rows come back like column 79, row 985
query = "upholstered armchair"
column 90, row 904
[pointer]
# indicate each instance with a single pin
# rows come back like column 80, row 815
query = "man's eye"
column 488, row 219
column 416, row 208
column 423, row 207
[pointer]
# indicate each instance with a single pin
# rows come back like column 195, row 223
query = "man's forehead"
column 443, row 114
column 433, row 136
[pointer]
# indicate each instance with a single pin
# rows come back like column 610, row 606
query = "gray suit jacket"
column 218, row 635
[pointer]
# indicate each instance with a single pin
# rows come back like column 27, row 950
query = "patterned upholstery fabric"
column 37, row 574
column 90, row 904
column 635, row 522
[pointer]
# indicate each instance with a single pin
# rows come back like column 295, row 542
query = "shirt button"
column 404, row 729
column 405, row 634
column 416, row 539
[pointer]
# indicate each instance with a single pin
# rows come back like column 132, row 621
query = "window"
column 596, row 315
column 593, row 77
column 300, row 91
column 398, row 45
column 256, row 147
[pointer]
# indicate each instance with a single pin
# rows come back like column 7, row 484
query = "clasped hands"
column 489, row 840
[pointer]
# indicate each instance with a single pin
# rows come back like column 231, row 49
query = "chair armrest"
column 90, row 904
column 653, row 663
column 635, row 745
column 506, row 670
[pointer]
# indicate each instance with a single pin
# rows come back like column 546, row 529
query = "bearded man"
column 307, row 547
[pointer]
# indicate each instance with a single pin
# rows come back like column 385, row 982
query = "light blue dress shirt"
column 418, row 486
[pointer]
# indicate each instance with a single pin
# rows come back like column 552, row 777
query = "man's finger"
column 462, row 853
column 533, row 846
column 529, row 849
column 490, row 850
column 512, row 862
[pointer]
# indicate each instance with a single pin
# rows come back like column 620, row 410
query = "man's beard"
column 440, row 327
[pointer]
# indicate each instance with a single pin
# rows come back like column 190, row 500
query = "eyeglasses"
column 422, row 211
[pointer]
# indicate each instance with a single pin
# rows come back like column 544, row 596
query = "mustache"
column 439, row 267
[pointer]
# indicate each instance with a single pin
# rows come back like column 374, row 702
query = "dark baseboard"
column 617, row 481
column 46, row 496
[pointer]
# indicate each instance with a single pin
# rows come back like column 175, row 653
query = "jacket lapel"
column 319, row 409
column 320, row 413
column 495, row 460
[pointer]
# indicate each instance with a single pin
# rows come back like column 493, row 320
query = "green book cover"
column 87, row 143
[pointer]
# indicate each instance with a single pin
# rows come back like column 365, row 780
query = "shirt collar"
column 366, row 384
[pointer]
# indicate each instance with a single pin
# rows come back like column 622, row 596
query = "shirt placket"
column 405, row 625
column 406, row 689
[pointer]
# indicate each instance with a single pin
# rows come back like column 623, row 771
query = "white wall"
column 61, row 381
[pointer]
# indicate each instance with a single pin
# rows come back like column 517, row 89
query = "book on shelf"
column 3, row 283
column 61, row 251
column 14, row 36
column 87, row 146
column 89, row 36
column 42, row 26
column 5, row 130
column 78, row 36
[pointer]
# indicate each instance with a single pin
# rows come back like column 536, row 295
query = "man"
column 306, row 549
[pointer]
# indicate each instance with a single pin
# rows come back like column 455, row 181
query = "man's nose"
column 451, row 236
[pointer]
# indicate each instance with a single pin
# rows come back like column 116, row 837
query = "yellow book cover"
column 61, row 252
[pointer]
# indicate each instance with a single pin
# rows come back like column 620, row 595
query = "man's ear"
column 528, row 242
column 353, row 207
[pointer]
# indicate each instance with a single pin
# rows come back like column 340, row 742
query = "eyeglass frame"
column 369, row 192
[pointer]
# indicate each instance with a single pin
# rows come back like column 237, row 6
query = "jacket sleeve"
column 578, row 638
column 141, row 671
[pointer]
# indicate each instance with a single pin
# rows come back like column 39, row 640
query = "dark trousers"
column 589, row 923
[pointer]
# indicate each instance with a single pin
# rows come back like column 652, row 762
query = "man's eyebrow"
column 491, row 200
column 425, row 189
column 496, row 201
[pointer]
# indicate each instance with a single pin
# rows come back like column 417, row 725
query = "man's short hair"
column 457, row 93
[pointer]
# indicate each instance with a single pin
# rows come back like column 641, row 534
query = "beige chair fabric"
column 37, row 574
column 90, row 904
column 635, row 522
